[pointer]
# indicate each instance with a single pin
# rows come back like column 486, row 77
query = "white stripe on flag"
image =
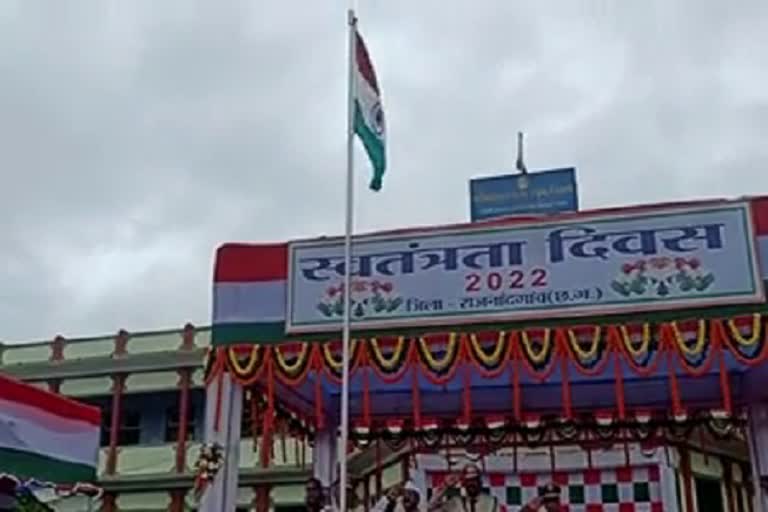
column 762, row 255
column 368, row 99
column 19, row 433
column 257, row 301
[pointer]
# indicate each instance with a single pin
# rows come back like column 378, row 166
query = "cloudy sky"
column 137, row 136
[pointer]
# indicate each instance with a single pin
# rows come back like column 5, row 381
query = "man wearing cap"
column 473, row 499
column 409, row 496
column 548, row 500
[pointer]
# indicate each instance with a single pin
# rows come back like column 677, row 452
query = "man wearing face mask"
column 547, row 501
column 473, row 498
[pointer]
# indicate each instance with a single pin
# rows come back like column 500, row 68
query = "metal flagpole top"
column 520, row 164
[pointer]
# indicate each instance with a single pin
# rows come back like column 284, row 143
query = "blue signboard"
column 543, row 192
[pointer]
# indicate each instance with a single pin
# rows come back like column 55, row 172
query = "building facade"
column 149, row 387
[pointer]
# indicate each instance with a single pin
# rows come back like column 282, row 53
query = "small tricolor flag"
column 369, row 116
column 46, row 437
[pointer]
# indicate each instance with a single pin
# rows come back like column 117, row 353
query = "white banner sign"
column 625, row 263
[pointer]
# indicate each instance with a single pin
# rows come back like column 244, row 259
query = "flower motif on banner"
column 662, row 276
column 369, row 298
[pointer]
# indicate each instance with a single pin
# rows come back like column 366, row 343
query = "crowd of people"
column 460, row 493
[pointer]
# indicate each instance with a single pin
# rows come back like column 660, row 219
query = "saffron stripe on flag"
column 760, row 216
column 251, row 262
column 15, row 391
column 54, row 422
column 364, row 64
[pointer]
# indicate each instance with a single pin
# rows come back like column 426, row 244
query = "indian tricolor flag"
column 46, row 436
column 369, row 116
column 250, row 283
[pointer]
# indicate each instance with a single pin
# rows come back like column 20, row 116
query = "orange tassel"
column 566, row 385
column 517, row 403
column 269, row 416
column 319, row 415
column 677, row 407
column 416, row 396
column 219, row 393
column 725, row 381
column 467, row 377
column 618, row 375
column 366, row 396
column 254, row 418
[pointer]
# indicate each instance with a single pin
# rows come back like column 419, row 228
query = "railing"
column 250, row 458
column 137, row 460
column 121, row 344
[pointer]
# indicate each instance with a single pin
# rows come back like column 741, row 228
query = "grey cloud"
column 136, row 137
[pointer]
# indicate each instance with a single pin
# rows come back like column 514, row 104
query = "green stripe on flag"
column 26, row 465
column 248, row 333
column 373, row 145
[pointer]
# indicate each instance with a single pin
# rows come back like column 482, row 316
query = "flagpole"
column 345, row 339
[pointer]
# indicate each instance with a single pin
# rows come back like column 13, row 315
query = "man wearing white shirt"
column 405, row 498
column 473, row 499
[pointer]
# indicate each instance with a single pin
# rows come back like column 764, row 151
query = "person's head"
column 470, row 479
column 411, row 497
column 313, row 494
column 550, row 497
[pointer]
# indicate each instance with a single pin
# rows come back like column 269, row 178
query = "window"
column 709, row 495
column 172, row 424
column 130, row 427
column 106, row 426
column 290, row 508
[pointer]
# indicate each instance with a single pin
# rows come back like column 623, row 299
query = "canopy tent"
column 616, row 371
column 651, row 317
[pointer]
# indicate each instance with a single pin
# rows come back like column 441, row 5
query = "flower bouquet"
column 208, row 463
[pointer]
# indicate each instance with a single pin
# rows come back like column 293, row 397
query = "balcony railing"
column 137, row 460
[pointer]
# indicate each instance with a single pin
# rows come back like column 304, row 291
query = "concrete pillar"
column 758, row 453
column 224, row 398
column 325, row 454
column 118, row 386
column 262, row 500
column 185, row 382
